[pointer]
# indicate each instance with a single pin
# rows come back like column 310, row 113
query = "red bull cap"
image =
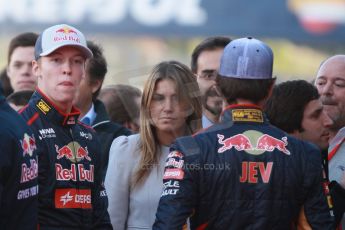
column 59, row 36
column 247, row 58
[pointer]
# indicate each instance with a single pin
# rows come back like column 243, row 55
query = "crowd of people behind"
column 217, row 145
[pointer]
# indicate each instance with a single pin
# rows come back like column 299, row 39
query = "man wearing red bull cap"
column 18, row 171
column 243, row 173
column 69, row 177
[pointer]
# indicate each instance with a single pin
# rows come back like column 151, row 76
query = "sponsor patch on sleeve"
column 174, row 173
column 175, row 154
column 175, row 163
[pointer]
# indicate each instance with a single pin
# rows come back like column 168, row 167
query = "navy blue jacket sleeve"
column 179, row 189
column 316, row 207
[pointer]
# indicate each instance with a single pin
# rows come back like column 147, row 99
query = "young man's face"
column 315, row 124
column 19, row 70
column 59, row 75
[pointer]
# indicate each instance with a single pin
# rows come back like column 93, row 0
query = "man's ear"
column 95, row 85
column 35, row 68
column 270, row 91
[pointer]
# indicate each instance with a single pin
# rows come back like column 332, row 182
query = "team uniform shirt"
column 18, row 171
column 70, row 182
column 242, row 174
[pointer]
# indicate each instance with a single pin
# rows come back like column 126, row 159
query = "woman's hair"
column 188, row 91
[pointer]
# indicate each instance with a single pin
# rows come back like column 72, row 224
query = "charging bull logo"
column 243, row 142
column 28, row 144
column 239, row 142
column 66, row 30
column 73, row 151
column 269, row 143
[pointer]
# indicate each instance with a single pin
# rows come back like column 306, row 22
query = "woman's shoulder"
column 125, row 146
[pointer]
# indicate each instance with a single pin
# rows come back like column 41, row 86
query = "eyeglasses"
column 208, row 75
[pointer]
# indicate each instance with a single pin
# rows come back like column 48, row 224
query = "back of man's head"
column 246, row 70
column 22, row 40
column 122, row 102
column 287, row 103
column 210, row 43
column 96, row 67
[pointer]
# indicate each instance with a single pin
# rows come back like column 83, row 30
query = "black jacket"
column 242, row 174
column 70, row 176
column 18, row 171
column 107, row 131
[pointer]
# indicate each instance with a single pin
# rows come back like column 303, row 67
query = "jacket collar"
column 102, row 115
column 243, row 113
column 48, row 109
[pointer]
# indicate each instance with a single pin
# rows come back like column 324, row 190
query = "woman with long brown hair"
column 170, row 108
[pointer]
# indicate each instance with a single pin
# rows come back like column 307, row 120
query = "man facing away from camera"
column 243, row 173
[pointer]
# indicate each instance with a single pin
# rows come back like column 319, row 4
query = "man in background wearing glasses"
column 205, row 65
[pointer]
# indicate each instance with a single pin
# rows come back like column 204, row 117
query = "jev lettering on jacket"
column 252, row 170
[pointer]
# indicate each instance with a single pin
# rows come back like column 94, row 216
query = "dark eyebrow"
column 317, row 112
column 157, row 94
column 208, row 70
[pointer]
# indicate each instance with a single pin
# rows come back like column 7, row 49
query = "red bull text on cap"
column 59, row 36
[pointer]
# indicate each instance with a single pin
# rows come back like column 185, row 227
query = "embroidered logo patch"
column 43, row 106
column 251, row 115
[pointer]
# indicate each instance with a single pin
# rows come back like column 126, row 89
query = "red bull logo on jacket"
column 29, row 172
column 269, row 143
column 77, row 172
column 239, row 142
column 73, row 151
column 28, row 145
column 243, row 142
